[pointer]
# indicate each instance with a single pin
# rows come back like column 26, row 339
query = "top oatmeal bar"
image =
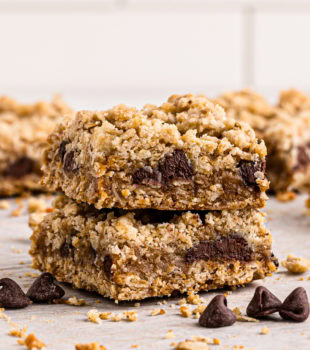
column 23, row 132
column 185, row 154
column 285, row 128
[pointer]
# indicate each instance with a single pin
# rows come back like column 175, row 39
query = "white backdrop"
column 99, row 53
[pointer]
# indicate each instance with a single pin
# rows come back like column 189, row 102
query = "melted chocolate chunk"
column 107, row 264
column 23, row 166
column 296, row 306
column 263, row 303
column 174, row 166
column 146, row 176
column 69, row 162
column 303, row 159
column 217, row 314
column 62, row 150
column 11, row 295
column 248, row 170
column 66, row 250
column 44, row 289
column 233, row 247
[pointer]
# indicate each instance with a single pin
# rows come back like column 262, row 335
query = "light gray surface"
column 61, row 326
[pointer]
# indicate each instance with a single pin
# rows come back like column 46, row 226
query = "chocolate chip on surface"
column 296, row 306
column 217, row 314
column 232, row 247
column 62, row 150
column 263, row 303
column 11, row 295
column 248, row 170
column 44, row 289
column 21, row 167
column 107, row 264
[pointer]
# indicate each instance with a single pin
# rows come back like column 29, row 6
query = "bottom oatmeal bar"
column 131, row 255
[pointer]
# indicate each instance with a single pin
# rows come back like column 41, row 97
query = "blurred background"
column 101, row 53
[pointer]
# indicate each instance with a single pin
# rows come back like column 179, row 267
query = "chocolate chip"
column 66, row 250
column 69, row 162
column 303, row 158
column 217, row 314
column 296, row 306
column 62, row 150
column 263, row 303
column 146, row 175
column 107, row 264
column 44, row 289
column 232, row 247
column 11, row 295
column 248, row 170
column 173, row 166
column 21, row 167
column 176, row 166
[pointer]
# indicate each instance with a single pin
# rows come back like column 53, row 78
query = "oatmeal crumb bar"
column 23, row 133
column 285, row 128
column 184, row 155
column 132, row 255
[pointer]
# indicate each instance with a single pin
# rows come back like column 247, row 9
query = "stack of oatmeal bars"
column 155, row 201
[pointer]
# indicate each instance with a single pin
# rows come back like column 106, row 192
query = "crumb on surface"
column 195, row 343
column 94, row 316
column 90, row 346
column 243, row 318
column 216, row 341
column 185, row 311
column 5, row 204
column 16, row 250
column 131, row 316
column 156, row 312
column 16, row 332
column 265, row 330
column 17, row 212
column 169, row 334
column 73, row 301
column 105, row 315
column 182, row 301
column 32, row 342
column 295, row 264
column 117, row 317
column 286, row 196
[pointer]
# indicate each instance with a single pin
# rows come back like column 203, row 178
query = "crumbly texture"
column 184, row 155
column 23, row 133
column 296, row 264
column 131, row 255
column 285, row 128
